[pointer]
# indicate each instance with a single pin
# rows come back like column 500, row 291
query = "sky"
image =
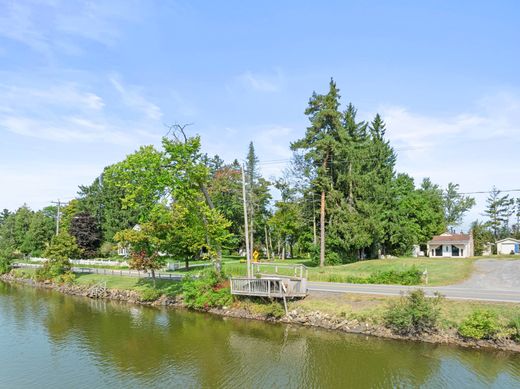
column 84, row 83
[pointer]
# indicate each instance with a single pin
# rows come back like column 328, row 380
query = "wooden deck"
column 269, row 286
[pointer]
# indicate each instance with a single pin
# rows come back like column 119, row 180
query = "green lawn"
column 442, row 271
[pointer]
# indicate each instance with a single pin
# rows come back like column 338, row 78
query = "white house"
column 508, row 246
column 451, row 245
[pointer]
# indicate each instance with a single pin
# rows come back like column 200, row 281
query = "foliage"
column 149, row 294
column 481, row 236
column 498, row 209
column 85, row 229
column 58, row 269
column 514, row 325
column 206, row 292
column 39, row 234
column 63, row 247
column 481, row 324
column 414, row 314
column 455, row 205
column 5, row 263
column 144, row 246
column 107, row 249
column 273, row 309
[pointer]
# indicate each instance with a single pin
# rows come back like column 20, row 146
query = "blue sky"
column 83, row 83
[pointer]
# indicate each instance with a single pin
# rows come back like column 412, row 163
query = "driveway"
column 494, row 274
column 492, row 280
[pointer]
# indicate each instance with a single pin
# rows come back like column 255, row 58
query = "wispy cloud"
column 134, row 99
column 47, row 26
column 493, row 117
column 70, row 112
column 262, row 82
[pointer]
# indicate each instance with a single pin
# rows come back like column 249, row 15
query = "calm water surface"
column 48, row 340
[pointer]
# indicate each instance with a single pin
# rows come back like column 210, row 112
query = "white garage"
column 508, row 246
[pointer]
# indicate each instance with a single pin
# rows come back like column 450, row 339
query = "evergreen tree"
column 39, row 235
column 455, row 205
column 319, row 144
column 498, row 210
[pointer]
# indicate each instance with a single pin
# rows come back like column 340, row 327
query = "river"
column 51, row 340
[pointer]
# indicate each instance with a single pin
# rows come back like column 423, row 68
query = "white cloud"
column 493, row 117
column 47, row 26
column 262, row 82
column 133, row 98
column 69, row 112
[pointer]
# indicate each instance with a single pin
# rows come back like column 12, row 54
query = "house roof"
column 508, row 239
column 450, row 238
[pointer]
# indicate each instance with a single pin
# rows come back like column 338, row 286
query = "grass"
column 442, row 271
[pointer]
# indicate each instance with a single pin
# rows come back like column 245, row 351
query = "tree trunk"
column 283, row 252
column 187, row 262
column 322, row 218
column 153, row 276
column 266, row 243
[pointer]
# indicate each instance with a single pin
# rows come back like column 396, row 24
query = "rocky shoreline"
column 299, row 317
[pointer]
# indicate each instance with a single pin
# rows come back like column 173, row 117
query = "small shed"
column 508, row 246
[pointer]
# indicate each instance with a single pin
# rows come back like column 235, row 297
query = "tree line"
column 340, row 200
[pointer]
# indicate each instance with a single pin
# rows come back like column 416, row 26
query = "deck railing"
column 268, row 287
column 297, row 270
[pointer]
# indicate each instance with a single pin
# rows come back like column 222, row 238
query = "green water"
column 48, row 340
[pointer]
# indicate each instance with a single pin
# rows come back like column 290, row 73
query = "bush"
column 480, row 325
column 54, row 269
column 206, row 292
column 5, row 263
column 107, row 250
column 149, row 294
column 514, row 325
column 274, row 309
column 63, row 246
column 414, row 314
column 407, row 277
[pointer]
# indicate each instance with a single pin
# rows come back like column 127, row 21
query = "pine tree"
column 499, row 210
column 319, row 144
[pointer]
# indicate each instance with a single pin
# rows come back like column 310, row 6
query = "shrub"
column 53, row 269
column 480, row 325
column 206, row 292
column 5, row 263
column 413, row 314
column 407, row 277
column 149, row 294
column 514, row 325
column 107, row 250
column 63, row 246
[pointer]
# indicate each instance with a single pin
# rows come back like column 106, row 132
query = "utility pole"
column 248, row 253
column 58, row 215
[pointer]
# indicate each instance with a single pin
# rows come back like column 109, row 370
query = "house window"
column 446, row 249
column 461, row 252
column 438, row 251
column 455, row 251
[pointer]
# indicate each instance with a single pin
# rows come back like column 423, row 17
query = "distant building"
column 508, row 246
column 124, row 250
column 451, row 245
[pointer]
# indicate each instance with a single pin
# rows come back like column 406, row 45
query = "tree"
column 39, row 234
column 85, row 229
column 62, row 247
column 498, row 210
column 319, row 145
column 144, row 246
column 481, row 236
column 455, row 205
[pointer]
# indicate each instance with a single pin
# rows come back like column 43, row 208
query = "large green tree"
column 319, row 146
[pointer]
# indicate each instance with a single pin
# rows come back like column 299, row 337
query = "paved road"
column 451, row 292
column 492, row 280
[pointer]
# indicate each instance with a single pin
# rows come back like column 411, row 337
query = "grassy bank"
column 420, row 318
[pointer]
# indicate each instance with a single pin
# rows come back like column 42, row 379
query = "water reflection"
column 121, row 345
